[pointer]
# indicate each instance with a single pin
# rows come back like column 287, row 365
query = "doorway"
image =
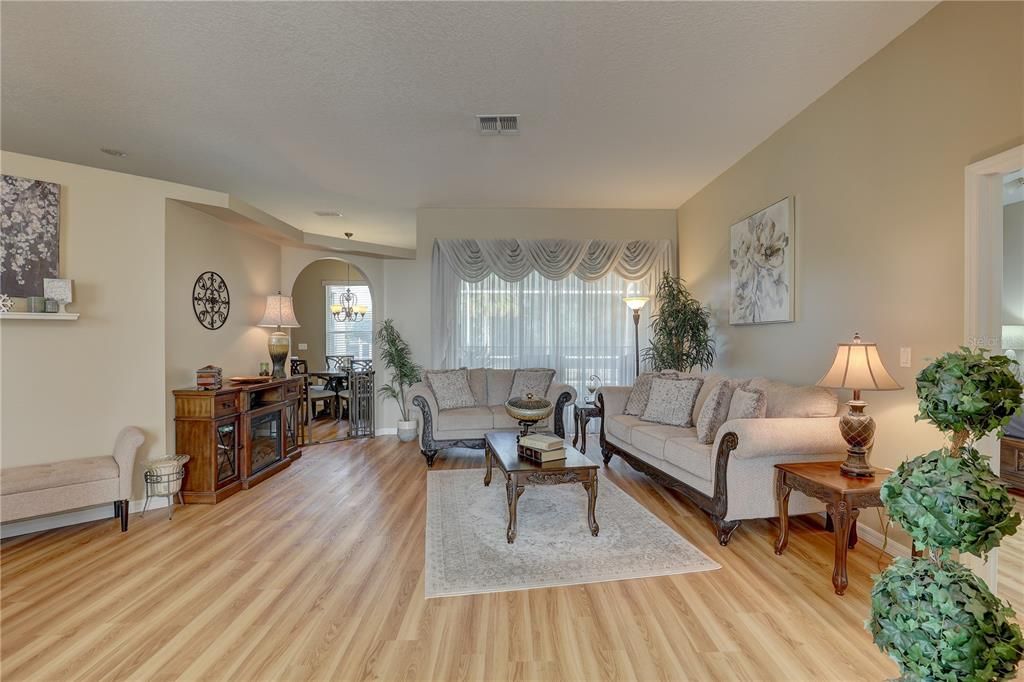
column 988, row 189
column 334, row 305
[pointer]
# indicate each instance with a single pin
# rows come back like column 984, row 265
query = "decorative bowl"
column 529, row 410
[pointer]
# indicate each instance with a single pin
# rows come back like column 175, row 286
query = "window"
column 576, row 327
column 353, row 338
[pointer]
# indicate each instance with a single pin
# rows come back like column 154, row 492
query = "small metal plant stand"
column 163, row 479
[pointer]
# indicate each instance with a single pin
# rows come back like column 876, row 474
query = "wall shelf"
column 53, row 317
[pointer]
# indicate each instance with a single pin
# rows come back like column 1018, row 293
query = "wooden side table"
column 584, row 413
column 843, row 497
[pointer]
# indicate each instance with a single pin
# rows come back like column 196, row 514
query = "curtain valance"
column 473, row 260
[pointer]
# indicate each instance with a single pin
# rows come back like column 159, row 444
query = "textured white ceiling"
column 369, row 107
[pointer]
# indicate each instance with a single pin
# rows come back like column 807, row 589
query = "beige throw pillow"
column 531, row 381
column 747, row 403
column 451, row 388
column 671, row 401
column 715, row 410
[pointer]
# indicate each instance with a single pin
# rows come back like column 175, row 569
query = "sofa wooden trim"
column 715, row 506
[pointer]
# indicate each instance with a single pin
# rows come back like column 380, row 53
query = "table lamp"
column 636, row 303
column 858, row 367
column 279, row 313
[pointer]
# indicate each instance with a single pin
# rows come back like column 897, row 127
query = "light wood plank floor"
column 318, row 574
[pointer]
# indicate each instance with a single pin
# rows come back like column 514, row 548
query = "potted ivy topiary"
column 931, row 614
column 397, row 357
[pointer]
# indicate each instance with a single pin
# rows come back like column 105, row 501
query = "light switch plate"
column 303, row 346
column 905, row 357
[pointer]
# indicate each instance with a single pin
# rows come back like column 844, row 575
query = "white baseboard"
column 390, row 431
column 99, row 513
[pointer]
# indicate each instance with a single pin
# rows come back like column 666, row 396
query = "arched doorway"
column 330, row 338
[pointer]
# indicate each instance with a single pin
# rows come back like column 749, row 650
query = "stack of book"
column 541, row 447
column 209, row 378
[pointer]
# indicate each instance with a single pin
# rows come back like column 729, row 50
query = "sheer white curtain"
column 575, row 327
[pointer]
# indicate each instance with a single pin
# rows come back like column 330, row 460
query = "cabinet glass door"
column 227, row 450
column 291, row 435
column 265, row 439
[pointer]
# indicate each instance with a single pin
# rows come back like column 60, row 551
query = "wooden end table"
column 501, row 448
column 584, row 412
column 843, row 497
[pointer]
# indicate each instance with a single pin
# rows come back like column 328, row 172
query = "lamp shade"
column 1013, row 336
column 858, row 366
column 279, row 312
column 636, row 302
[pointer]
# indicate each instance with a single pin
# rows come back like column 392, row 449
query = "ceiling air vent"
column 328, row 214
column 498, row 124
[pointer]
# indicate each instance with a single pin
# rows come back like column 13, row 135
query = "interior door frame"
column 983, row 284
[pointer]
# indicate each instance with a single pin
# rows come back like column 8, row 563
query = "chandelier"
column 348, row 309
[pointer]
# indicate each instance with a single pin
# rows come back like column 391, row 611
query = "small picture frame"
column 58, row 290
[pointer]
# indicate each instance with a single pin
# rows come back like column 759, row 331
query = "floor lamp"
column 636, row 303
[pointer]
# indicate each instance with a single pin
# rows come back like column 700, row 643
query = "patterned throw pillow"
column 535, row 381
column 641, row 391
column 451, row 388
column 671, row 401
column 747, row 403
column 715, row 411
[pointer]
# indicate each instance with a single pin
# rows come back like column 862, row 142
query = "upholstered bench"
column 38, row 489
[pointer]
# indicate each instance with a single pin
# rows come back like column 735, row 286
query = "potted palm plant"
column 931, row 614
column 680, row 330
column 397, row 357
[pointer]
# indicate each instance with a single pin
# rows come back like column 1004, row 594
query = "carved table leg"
column 841, row 515
column 487, row 460
column 782, row 492
column 582, row 429
column 512, row 491
column 591, row 487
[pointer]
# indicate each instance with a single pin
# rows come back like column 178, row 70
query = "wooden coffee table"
column 500, row 447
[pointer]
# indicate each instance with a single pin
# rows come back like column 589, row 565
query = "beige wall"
column 877, row 169
column 310, row 306
column 67, row 388
column 1013, row 263
column 251, row 267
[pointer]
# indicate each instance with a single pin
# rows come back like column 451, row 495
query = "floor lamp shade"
column 858, row 367
column 279, row 313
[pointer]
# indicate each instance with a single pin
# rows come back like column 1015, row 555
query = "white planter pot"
column 407, row 430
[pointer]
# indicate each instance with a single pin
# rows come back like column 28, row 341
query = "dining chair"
column 337, row 363
column 313, row 392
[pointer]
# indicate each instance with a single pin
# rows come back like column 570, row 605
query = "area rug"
column 466, row 551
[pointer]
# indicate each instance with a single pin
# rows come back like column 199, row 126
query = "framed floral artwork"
column 29, row 235
column 762, row 265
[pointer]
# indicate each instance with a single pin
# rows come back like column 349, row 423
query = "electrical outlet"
column 905, row 357
column 303, row 346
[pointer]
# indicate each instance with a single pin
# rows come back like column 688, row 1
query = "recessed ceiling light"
column 328, row 214
column 113, row 152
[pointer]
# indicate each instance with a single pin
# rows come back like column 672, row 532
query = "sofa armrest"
column 557, row 390
column 128, row 442
column 422, row 390
column 615, row 398
column 783, row 436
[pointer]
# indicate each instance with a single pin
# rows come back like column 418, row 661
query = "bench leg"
column 117, row 509
column 124, row 515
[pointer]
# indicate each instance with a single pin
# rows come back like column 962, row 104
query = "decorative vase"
column 407, row 430
column 36, row 304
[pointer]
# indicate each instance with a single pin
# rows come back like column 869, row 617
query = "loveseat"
column 732, row 478
column 484, row 410
column 38, row 489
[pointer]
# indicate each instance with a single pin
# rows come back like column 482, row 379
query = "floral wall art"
column 761, row 266
column 29, row 235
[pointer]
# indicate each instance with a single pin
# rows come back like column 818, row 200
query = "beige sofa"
column 734, row 478
column 465, row 426
column 39, row 489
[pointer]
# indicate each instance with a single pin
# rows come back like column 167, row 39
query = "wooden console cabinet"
column 1011, row 462
column 236, row 436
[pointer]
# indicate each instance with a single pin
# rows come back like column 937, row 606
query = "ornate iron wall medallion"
column 211, row 300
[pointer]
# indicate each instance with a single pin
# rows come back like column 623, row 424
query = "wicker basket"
column 163, row 476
